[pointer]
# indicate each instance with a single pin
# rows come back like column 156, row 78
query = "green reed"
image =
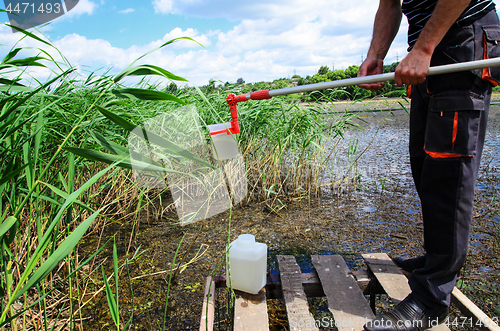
column 48, row 197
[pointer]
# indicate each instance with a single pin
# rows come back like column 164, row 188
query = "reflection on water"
column 491, row 152
column 382, row 148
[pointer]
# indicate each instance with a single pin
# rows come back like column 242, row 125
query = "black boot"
column 409, row 264
column 409, row 315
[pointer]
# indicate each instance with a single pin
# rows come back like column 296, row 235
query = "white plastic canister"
column 247, row 264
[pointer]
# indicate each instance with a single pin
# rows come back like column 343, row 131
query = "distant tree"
column 351, row 71
column 318, row 79
column 172, row 88
column 240, row 81
column 391, row 67
column 323, row 70
column 336, row 74
column 296, row 76
column 211, row 85
column 280, row 83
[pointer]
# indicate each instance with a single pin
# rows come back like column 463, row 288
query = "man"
column 448, row 116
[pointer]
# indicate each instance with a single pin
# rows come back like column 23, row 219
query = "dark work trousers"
column 448, row 117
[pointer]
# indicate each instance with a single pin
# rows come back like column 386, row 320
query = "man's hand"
column 413, row 68
column 371, row 66
column 385, row 28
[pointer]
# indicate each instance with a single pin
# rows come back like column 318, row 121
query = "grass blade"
column 26, row 62
column 111, row 146
column 143, row 94
column 7, row 225
column 116, row 119
column 15, row 81
column 29, row 34
column 163, row 45
column 44, row 241
column 46, row 294
column 147, row 69
column 174, row 149
column 149, row 136
column 12, row 174
column 119, row 160
column 11, row 55
column 20, row 101
column 111, row 299
column 15, row 88
column 59, row 254
column 115, row 270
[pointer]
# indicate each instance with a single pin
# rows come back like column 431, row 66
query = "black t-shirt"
column 418, row 12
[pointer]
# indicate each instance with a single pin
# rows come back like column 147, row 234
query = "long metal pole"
column 445, row 69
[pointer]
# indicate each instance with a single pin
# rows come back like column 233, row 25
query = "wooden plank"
column 208, row 310
column 250, row 311
column 299, row 317
column 392, row 279
column 389, row 276
column 363, row 280
column 346, row 302
column 480, row 320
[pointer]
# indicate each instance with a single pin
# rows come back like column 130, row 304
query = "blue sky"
column 259, row 40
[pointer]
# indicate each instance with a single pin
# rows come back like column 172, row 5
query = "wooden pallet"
column 344, row 290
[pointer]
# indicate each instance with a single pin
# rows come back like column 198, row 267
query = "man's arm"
column 415, row 65
column 385, row 28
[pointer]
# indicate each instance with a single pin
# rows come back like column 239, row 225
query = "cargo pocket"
column 491, row 38
column 453, row 124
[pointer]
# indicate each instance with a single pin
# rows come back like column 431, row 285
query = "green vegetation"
column 324, row 74
column 65, row 175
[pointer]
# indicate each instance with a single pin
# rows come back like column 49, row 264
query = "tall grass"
column 49, row 198
column 65, row 174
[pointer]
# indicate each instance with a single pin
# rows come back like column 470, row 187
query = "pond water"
column 383, row 145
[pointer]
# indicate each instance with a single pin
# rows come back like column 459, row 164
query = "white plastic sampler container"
column 247, row 264
column 224, row 145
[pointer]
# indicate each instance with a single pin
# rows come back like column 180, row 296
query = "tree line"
column 324, row 74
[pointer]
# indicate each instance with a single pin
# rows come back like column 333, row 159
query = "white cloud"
column 285, row 36
column 127, row 11
column 183, row 43
column 82, row 51
column 83, row 7
column 163, row 6
column 269, row 40
column 300, row 38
